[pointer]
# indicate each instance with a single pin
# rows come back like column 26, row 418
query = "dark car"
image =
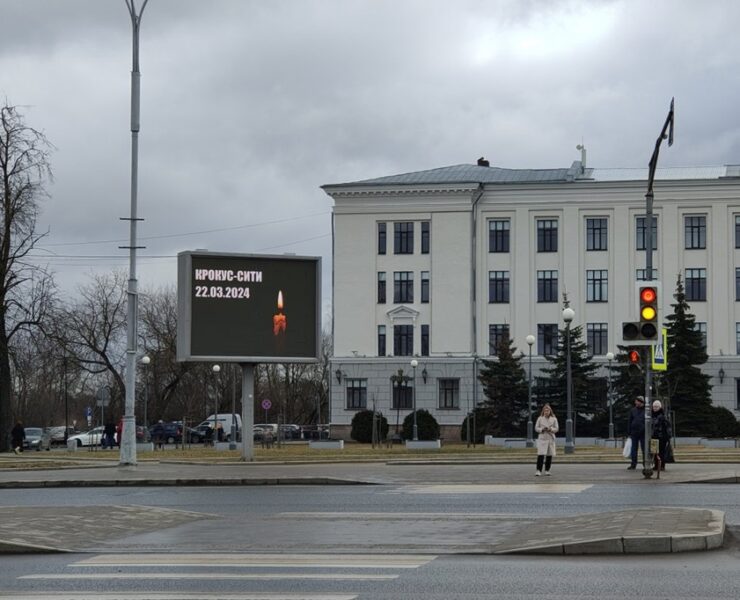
column 196, row 435
column 290, row 432
column 171, row 432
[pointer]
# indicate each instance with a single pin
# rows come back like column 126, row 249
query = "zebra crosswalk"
column 120, row 576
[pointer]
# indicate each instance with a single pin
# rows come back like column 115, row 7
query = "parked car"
column 315, row 432
column 88, row 438
column 290, row 432
column 172, row 433
column 196, row 435
column 57, row 434
column 37, row 438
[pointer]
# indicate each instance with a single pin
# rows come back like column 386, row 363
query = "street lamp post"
column 609, row 359
column 233, row 434
column 530, row 428
column 216, row 370
column 145, row 360
column 568, row 316
column 414, row 364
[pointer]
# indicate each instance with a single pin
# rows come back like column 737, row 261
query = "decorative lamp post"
column 216, row 370
column 568, row 316
column 530, row 428
column 414, row 364
column 145, row 360
column 609, row 359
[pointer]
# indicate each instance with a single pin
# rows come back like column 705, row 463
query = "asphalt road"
column 288, row 523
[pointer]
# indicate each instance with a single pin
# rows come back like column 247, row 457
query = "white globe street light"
column 530, row 428
column 414, row 364
column 145, row 360
column 568, row 316
column 609, row 359
column 216, row 370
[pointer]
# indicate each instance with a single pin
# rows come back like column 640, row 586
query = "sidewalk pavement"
column 38, row 529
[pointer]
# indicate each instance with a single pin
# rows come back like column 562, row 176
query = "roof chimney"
column 482, row 162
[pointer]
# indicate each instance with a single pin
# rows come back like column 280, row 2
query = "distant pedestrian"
column 109, row 435
column 546, row 427
column 17, row 436
column 661, row 432
column 158, row 435
column 636, row 430
column 119, row 431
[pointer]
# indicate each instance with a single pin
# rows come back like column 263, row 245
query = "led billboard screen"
column 248, row 308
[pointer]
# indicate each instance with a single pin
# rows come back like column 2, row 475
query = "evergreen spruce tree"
column 552, row 389
column 505, row 386
column 683, row 384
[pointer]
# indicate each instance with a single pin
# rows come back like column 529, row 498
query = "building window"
column 356, row 394
column 737, row 338
column 403, row 287
column 381, row 340
column 737, row 232
column 702, row 328
column 547, row 235
column 381, row 287
column 641, row 231
column 403, row 340
column 498, row 235
column 597, row 338
column 402, row 398
column 547, row 286
column 497, row 332
column 425, row 237
column 596, row 234
column 498, row 287
column 425, row 287
column 547, row 338
column 737, row 394
column 425, row 340
column 597, row 286
column 696, row 285
column 737, row 284
column 381, row 238
column 641, row 275
column 403, row 238
column 449, row 394
column 695, row 232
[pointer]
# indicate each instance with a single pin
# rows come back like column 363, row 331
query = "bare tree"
column 92, row 332
column 26, row 290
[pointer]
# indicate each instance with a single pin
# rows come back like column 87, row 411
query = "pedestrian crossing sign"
column 659, row 352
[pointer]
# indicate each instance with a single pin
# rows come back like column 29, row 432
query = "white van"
column 225, row 419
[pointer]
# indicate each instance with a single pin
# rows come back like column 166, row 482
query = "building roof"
column 495, row 175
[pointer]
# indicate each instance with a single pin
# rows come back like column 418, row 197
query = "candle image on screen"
column 279, row 321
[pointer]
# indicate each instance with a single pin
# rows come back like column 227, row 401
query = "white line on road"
column 492, row 488
column 247, row 576
column 172, row 596
column 220, row 560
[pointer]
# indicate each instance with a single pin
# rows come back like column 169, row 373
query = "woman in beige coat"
column 546, row 427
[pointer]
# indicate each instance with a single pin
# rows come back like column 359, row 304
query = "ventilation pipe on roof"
column 482, row 162
column 582, row 148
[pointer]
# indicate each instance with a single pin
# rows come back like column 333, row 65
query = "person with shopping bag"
column 546, row 428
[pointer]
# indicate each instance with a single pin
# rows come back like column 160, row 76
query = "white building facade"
column 437, row 265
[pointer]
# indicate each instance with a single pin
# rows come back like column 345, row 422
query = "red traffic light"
column 648, row 295
column 633, row 356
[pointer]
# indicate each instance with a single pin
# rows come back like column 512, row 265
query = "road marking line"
column 356, row 561
column 174, row 596
column 247, row 576
column 398, row 516
column 526, row 488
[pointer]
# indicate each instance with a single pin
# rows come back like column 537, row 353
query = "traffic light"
column 633, row 362
column 645, row 331
column 648, row 299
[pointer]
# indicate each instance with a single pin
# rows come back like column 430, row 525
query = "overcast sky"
column 247, row 107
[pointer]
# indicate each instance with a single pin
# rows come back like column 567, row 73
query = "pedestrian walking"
column 636, row 430
column 662, row 432
column 158, row 435
column 109, row 435
column 546, row 428
column 17, row 436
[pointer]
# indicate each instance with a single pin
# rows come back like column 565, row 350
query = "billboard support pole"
column 247, row 411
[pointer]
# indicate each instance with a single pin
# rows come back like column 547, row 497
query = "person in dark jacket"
column 661, row 431
column 17, row 435
column 636, row 430
column 109, row 435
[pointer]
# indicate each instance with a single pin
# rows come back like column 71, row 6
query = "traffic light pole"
column 666, row 132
